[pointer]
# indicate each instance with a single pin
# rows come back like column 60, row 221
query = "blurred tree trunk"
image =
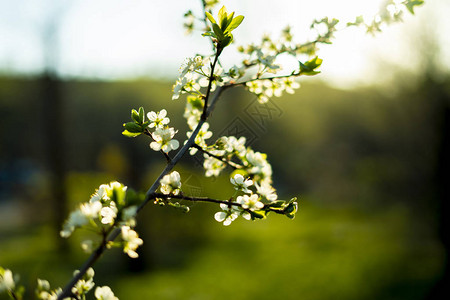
column 54, row 120
column 437, row 92
column 54, row 128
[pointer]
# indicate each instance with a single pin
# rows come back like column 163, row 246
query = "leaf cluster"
column 287, row 208
column 223, row 27
column 309, row 67
column 138, row 125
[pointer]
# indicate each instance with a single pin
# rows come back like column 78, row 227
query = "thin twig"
column 221, row 158
column 196, row 199
column 211, row 200
column 211, row 78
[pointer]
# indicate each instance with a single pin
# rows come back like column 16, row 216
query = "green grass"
column 322, row 254
column 325, row 253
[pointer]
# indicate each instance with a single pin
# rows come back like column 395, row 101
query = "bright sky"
column 135, row 38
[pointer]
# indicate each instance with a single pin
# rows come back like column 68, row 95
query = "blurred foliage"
column 362, row 163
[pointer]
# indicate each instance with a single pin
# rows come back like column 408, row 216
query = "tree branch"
column 150, row 194
column 196, row 199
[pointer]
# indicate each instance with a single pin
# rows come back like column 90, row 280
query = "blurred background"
column 364, row 146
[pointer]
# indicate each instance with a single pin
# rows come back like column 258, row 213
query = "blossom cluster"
column 248, row 205
column 266, row 88
column 195, row 73
column 231, row 150
column 163, row 134
column 171, row 184
column 8, row 283
column 108, row 207
column 391, row 12
column 79, row 290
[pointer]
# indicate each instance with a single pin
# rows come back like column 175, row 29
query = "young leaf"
column 226, row 40
column 234, row 23
column 133, row 127
column 141, row 115
column 259, row 214
column 222, row 16
column 130, row 134
column 135, row 116
column 209, row 33
column 308, row 67
column 229, row 19
column 210, row 18
column 218, row 32
column 411, row 3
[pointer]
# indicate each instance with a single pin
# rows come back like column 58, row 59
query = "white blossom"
column 6, row 280
column 237, row 145
column 267, row 61
column 171, row 183
column 290, row 84
column 193, row 111
column 128, row 215
column 83, row 286
column 43, row 285
column 258, row 164
column 201, row 137
column 163, row 140
column 241, row 184
column 191, row 65
column 250, row 202
column 178, row 87
column 91, row 209
column 108, row 214
column 266, row 190
column 213, row 166
column 273, row 88
column 158, row 120
column 236, row 72
column 132, row 241
column 228, row 215
column 50, row 295
column 87, row 246
column 104, row 293
column 255, row 86
column 76, row 219
column 101, row 194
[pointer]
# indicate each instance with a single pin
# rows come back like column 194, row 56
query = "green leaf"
column 234, row 23
column 135, row 115
column 410, row 5
column 218, row 32
column 210, row 18
column 226, row 40
column 133, row 127
column 222, row 16
column 308, row 68
column 130, row 134
column 291, row 209
column 229, row 20
column 277, row 204
column 259, row 214
column 118, row 196
column 209, row 33
column 134, row 198
column 358, row 21
column 141, row 115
